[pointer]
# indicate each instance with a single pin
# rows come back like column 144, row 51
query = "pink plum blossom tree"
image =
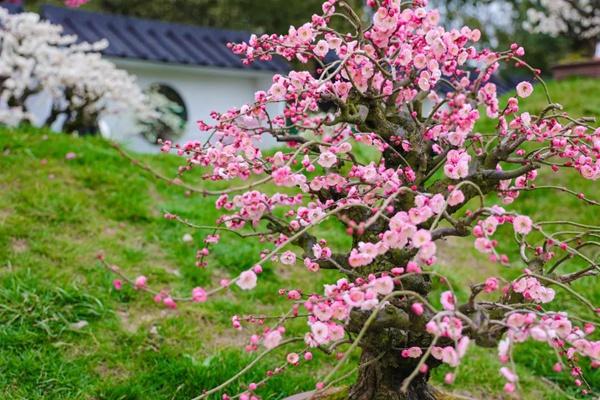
column 411, row 92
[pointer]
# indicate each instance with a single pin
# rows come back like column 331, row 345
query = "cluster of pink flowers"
column 533, row 290
column 557, row 331
column 457, row 165
column 251, row 206
column 329, row 313
column 485, row 228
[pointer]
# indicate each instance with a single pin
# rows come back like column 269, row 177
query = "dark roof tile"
column 152, row 40
column 12, row 8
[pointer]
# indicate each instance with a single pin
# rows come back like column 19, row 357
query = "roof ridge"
column 139, row 19
column 157, row 40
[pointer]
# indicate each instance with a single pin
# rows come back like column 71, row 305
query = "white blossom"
column 580, row 18
column 37, row 57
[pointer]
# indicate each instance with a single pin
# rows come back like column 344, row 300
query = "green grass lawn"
column 57, row 214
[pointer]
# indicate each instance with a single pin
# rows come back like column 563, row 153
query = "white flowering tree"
column 579, row 19
column 171, row 117
column 37, row 57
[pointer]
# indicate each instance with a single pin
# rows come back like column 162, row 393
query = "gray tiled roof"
column 12, row 8
column 157, row 41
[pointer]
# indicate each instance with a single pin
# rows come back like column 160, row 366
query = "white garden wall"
column 202, row 89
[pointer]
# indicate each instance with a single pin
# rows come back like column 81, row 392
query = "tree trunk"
column 382, row 369
column 382, row 379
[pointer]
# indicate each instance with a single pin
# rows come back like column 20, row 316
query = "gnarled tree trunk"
column 382, row 379
column 383, row 369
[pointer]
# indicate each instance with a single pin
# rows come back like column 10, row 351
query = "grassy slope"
column 56, row 214
column 54, row 219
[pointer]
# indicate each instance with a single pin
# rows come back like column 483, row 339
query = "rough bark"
column 383, row 369
column 382, row 380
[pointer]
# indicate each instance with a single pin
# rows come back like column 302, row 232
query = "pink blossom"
column 427, row 252
column 140, row 282
column 455, row 198
column 533, row 290
column 305, row 33
column 448, row 300
column 327, row 159
column 278, row 91
column 457, row 164
column 562, row 327
column 323, row 312
column 449, row 378
column 538, row 333
column 462, row 346
column 272, row 339
column 169, row 302
column 288, row 258
column 336, row 332
column 508, row 374
column 437, row 203
column 509, row 387
column 491, row 284
column 450, row 356
column 321, row 48
column 557, row 367
column 384, row 285
column 421, row 237
column 417, row 308
column 489, row 225
column 413, row 352
column 383, row 20
column 515, row 320
column 413, row 267
column 520, row 286
column 522, row 224
column 320, row 332
column 524, row 89
column 293, row 358
column 224, row 282
column 357, row 259
column 317, row 250
column 503, row 349
column 484, row 245
column 354, row 297
column 199, row 295
column 247, row 280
